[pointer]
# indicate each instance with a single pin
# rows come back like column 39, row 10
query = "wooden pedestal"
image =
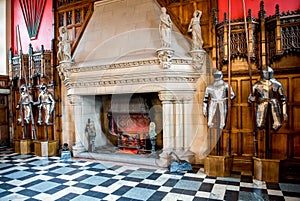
column 266, row 169
column 46, row 148
column 218, row 166
column 23, row 146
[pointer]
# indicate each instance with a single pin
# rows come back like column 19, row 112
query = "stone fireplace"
column 118, row 79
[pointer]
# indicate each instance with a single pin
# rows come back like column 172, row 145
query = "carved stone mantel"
column 125, row 77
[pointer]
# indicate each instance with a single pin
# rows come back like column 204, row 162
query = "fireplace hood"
column 118, row 53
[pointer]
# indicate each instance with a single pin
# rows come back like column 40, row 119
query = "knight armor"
column 24, row 104
column 269, row 95
column 46, row 102
column 215, row 98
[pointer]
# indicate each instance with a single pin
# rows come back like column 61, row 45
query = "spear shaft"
column 250, row 77
column 228, row 143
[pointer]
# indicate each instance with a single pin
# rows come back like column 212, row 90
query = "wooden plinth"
column 218, row 166
column 23, row 146
column 46, row 148
column 266, row 169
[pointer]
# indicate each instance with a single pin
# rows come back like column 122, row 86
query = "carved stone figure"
column 45, row 103
column 165, row 28
column 24, row 104
column 64, row 45
column 195, row 28
column 60, row 53
column 269, row 96
column 216, row 95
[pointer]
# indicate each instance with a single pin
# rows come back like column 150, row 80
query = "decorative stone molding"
column 165, row 57
column 130, row 64
column 93, row 83
column 176, row 95
column 166, row 96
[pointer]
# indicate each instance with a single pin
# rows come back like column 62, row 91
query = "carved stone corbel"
column 165, row 57
column 64, row 70
column 198, row 59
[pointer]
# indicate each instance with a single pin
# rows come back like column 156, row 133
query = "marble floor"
column 29, row 177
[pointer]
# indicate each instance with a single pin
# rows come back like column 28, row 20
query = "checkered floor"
column 28, row 177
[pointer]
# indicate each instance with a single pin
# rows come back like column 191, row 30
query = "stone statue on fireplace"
column 195, row 28
column 64, row 45
column 269, row 95
column 216, row 95
column 165, row 28
column 46, row 104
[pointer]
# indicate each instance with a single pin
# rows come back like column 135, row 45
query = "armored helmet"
column 268, row 73
column 218, row 75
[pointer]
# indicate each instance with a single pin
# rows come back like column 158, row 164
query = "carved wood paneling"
column 181, row 12
column 285, row 142
column 74, row 14
column 4, row 112
column 36, row 68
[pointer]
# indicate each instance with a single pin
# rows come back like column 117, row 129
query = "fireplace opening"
column 125, row 120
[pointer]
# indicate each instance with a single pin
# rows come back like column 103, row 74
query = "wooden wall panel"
column 247, row 144
column 246, row 122
column 297, row 146
column 295, row 89
column 279, row 145
column 235, row 142
column 295, row 117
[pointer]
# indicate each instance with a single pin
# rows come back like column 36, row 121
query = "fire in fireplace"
column 127, row 121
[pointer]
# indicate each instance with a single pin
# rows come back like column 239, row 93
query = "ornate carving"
column 290, row 38
column 63, row 70
column 165, row 57
column 198, row 58
column 238, row 43
column 283, row 34
column 132, row 81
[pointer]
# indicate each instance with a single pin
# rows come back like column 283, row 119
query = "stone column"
column 76, row 102
column 185, row 114
column 168, row 127
column 179, row 125
column 188, row 130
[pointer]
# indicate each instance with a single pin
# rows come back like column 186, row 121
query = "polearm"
column 33, row 133
column 19, row 81
column 228, row 145
column 250, row 77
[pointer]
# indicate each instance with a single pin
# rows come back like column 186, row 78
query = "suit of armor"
column 269, row 92
column 46, row 102
column 216, row 95
column 24, row 104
